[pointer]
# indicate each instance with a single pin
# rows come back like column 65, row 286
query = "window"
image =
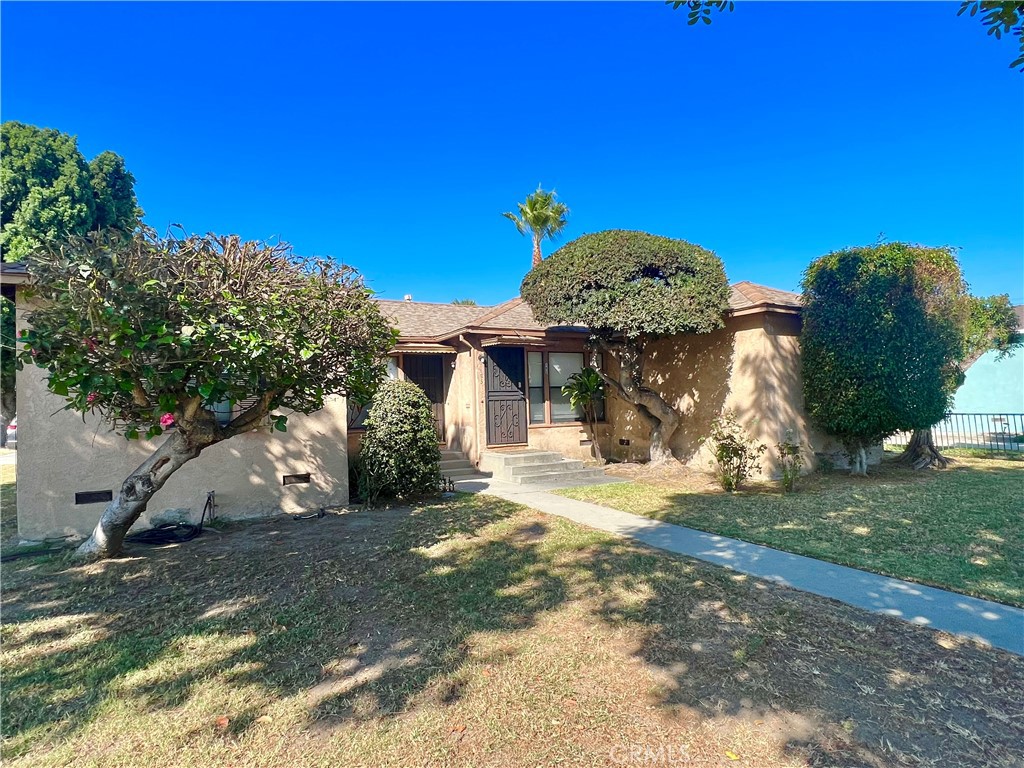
column 561, row 367
column 547, row 372
column 535, row 377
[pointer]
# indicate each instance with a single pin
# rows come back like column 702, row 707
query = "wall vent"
column 295, row 479
column 623, row 441
column 93, row 497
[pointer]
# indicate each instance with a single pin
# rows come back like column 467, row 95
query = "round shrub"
column 399, row 457
column 630, row 283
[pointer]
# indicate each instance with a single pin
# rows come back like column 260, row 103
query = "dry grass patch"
column 472, row 633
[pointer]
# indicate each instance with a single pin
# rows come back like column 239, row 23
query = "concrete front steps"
column 456, row 466
column 527, row 466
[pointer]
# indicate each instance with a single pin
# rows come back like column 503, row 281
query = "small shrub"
column 736, row 455
column 791, row 460
column 399, row 457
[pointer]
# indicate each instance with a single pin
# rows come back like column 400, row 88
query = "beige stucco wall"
column 751, row 367
column 59, row 455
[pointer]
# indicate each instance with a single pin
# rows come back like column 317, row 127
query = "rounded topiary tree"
column 630, row 288
column 399, row 456
column 882, row 336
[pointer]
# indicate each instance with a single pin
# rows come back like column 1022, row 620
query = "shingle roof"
column 417, row 319
column 1019, row 312
column 746, row 295
column 514, row 314
column 420, row 319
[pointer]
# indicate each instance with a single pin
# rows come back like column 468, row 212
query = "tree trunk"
column 661, row 439
column 859, row 461
column 135, row 493
column 537, row 256
column 921, row 452
column 662, row 417
column 592, row 423
column 7, row 412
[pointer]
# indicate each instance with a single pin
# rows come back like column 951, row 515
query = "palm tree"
column 542, row 216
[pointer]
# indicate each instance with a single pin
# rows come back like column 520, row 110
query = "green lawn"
column 8, row 504
column 960, row 528
column 471, row 633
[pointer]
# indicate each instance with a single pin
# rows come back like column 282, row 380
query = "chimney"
column 407, row 297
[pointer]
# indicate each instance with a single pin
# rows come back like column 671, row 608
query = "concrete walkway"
column 993, row 623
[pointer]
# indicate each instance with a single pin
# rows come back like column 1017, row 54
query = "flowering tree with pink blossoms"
column 153, row 333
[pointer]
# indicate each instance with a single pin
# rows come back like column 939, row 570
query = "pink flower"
column 166, row 420
column 91, row 398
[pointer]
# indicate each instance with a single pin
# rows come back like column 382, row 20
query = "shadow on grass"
column 957, row 528
column 365, row 614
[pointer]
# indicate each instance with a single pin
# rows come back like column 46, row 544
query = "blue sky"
column 392, row 136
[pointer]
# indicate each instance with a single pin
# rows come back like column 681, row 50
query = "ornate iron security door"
column 506, row 396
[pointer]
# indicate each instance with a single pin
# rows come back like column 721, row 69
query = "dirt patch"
column 667, row 475
column 474, row 633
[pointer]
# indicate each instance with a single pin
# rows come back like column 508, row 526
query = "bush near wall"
column 399, row 457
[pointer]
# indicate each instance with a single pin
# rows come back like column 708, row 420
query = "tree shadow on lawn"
column 371, row 614
column 955, row 528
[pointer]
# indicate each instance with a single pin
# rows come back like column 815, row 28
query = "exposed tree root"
column 921, row 452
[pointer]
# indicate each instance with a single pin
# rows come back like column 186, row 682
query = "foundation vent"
column 295, row 479
column 93, row 497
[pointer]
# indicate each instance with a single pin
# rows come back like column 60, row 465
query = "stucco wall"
column 59, row 455
column 751, row 366
column 992, row 385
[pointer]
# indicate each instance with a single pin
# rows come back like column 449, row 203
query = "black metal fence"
column 985, row 431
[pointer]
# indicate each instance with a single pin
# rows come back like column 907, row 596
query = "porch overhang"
column 514, row 341
column 423, row 348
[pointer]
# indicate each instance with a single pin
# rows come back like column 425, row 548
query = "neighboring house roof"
column 437, row 322
column 13, row 272
column 1019, row 312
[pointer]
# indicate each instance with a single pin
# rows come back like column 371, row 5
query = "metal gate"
column 506, row 396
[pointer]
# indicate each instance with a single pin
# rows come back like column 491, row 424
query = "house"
column 993, row 385
column 494, row 376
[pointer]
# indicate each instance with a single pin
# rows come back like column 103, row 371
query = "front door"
column 427, row 372
column 506, row 396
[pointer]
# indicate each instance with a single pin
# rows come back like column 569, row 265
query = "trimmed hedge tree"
column 399, row 456
column 631, row 288
column 883, row 331
column 990, row 325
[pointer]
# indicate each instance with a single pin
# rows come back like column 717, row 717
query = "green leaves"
column 627, row 282
column 136, row 328
column 883, row 330
column 50, row 191
column 1000, row 18
column 399, row 455
column 700, row 10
